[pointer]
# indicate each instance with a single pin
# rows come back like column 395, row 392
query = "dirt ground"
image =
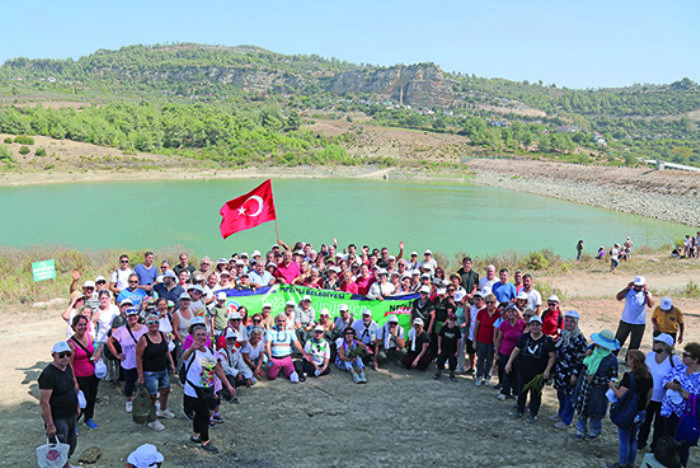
column 399, row 418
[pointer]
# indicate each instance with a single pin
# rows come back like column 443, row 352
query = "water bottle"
column 373, row 335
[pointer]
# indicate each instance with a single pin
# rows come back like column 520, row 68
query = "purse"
column 624, row 412
column 52, row 455
column 688, row 431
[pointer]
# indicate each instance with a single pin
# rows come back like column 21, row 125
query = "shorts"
column 155, row 380
column 65, row 432
column 470, row 346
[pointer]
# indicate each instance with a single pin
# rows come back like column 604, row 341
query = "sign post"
column 41, row 271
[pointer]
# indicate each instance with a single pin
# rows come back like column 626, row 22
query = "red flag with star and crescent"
column 249, row 210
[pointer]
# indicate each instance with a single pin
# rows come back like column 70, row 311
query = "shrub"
column 24, row 140
column 24, row 150
column 40, row 152
column 8, row 140
column 5, row 154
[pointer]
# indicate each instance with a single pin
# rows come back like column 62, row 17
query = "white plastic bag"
column 52, row 455
column 81, row 400
column 171, row 346
column 100, row 369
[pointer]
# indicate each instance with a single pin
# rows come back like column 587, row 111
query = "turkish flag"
column 249, row 210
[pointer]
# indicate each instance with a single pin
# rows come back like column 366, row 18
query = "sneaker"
column 497, row 386
column 487, row 382
column 294, row 377
column 459, row 369
column 469, row 371
column 156, row 426
column 212, row 423
column 157, row 405
column 561, row 425
column 166, row 413
column 91, row 424
column 436, row 376
column 452, row 377
column 579, row 436
column 234, row 400
column 356, row 378
column 516, row 415
column 217, row 418
column 302, row 377
column 613, row 465
column 253, row 381
column 532, row 418
column 501, row 397
column 129, row 406
column 555, row 418
column 209, row 447
column 189, row 416
column 592, row 437
column 363, row 377
column 196, row 439
column 478, row 381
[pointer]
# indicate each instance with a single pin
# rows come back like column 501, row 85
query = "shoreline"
column 665, row 195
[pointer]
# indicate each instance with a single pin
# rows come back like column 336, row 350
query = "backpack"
column 624, row 412
column 668, row 452
column 688, row 431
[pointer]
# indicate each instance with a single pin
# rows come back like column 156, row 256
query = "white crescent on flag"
column 260, row 204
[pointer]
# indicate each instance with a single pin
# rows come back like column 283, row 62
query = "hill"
column 499, row 117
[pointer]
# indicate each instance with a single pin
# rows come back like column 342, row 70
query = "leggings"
column 275, row 364
column 130, row 377
column 89, row 385
column 200, row 421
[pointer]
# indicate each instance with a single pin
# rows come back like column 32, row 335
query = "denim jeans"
column 484, row 360
column 596, row 425
column 566, row 406
column 628, row 444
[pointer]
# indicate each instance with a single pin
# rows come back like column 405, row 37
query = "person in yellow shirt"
column 668, row 319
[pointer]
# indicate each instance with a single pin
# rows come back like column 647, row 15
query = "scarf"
column 593, row 361
column 566, row 336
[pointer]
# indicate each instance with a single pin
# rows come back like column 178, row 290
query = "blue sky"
column 585, row 44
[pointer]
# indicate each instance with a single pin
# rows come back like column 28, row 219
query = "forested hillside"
column 245, row 104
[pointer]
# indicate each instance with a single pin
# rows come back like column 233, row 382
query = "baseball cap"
column 231, row 334
column 343, row 307
column 291, row 304
column 100, row 279
column 366, row 312
column 132, row 311
column 393, row 319
column 664, row 338
column 535, row 318
column 89, row 284
column 221, row 296
column 266, row 305
column 427, row 252
column 126, row 301
column 666, row 303
column 235, row 316
column 639, row 281
column 184, row 296
column 425, row 289
column 169, row 274
column 522, row 295
column 418, row 321
column 572, row 313
column 61, row 347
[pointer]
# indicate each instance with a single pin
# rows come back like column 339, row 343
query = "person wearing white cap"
column 235, row 368
column 637, row 298
column 570, row 349
column 319, row 356
column 668, row 319
column 146, row 456
column 418, row 355
column 599, row 368
column 536, row 353
column 367, row 330
column 127, row 336
column 428, row 260
column 382, row 288
column 348, row 357
column 58, row 398
column 169, row 289
column 391, row 340
column 660, row 362
column 279, row 341
column 344, row 319
column 552, row 317
column 423, row 308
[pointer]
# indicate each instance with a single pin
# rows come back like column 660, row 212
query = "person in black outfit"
column 448, row 346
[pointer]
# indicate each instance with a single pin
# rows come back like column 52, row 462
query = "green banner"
column 43, row 270
column 278, row 295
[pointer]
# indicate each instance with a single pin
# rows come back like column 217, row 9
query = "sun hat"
column 606, row 339
column 572, row 313
column 145, row 456
column 666, row 303
column 418, row 321
column 61, row 347
column 664, row 338
column 639, row 281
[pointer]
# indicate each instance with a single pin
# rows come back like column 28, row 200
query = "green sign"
column 43, row 270
column 277, row 296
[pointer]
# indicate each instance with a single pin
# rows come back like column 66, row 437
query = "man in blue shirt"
column 169, row 289
column 132, row 291
column 503, row 290
column 146, row 272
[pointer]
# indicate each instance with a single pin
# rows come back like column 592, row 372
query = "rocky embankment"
column 668, row 195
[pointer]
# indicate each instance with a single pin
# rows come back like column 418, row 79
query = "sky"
column 585, row 44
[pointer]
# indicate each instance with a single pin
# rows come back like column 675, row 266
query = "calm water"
column 445, row 217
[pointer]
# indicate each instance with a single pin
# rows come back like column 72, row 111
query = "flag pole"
column 277, row 229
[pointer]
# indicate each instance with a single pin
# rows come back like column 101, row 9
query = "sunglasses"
column 64, row 354
column 490, row 302
column 686, row 355
column 133, row 282
column 527, row 316
column 124, row 261
column 321, row 331
column 349, row 334
column 153, row 322
column 550, row 304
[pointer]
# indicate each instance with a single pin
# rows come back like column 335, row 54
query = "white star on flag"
column 241, row 211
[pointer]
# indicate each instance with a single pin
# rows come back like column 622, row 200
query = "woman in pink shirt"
column 82, row 360
column 508, row 333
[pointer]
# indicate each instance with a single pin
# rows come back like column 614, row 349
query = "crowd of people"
column 146, row 324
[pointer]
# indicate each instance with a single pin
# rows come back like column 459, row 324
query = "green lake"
column 448, row 217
